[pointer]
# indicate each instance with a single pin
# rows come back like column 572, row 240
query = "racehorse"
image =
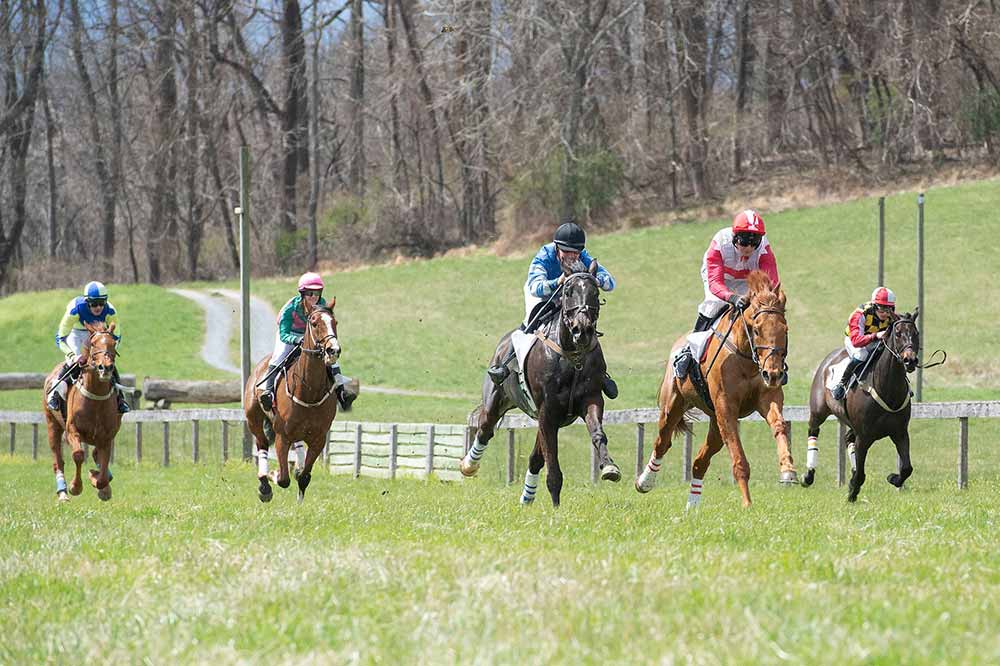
column 875, row 408
column 303, row 407
column 744, row 375
column 91, row 415
column 564, row 371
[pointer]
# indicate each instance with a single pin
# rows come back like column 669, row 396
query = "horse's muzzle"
column 331, row 354
column 910, row 363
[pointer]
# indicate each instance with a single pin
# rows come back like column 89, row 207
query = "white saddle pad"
column 522, row 345
column 835, row 372
column 696, row 343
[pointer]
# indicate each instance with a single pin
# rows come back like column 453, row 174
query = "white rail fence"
column 389, row 450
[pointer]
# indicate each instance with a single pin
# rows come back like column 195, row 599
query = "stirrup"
column 682, row 364
column 839, row 391
column 266, row 400
column 54, row 402
column 345, row 397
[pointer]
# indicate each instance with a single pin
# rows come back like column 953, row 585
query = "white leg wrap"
column 530, row 487
column 647, row 479
column 694, row 495
column 812, row 453
column 60, row 482
column 476, row 452
column 300, row 454
column 261, row 463
column 852, row 456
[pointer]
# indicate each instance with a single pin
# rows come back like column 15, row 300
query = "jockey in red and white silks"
column 728, row 261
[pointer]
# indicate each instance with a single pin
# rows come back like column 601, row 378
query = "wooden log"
column 177, row 390
column 13, row 381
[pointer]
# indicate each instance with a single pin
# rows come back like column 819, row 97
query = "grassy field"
column 185, row 566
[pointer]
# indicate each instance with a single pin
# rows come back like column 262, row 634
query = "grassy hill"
column 432, row 325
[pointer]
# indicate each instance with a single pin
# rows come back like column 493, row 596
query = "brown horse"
column 91, row 415
column 564, row 371
column 746, row 366
column 878, row 406
column 303, row 406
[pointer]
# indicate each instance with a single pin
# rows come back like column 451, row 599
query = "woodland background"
column 403, row 127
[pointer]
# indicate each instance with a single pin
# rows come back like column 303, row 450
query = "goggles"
column 746, row 238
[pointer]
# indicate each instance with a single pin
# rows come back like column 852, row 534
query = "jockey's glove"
column 738, row 302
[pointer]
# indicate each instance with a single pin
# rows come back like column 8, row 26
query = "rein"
column 731, row 346
column 316, row 350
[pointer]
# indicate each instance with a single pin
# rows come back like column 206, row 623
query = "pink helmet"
column 884, row 296
column 748, row 221
column 310, row 281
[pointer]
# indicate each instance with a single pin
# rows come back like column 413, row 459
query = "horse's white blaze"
column 334, row 343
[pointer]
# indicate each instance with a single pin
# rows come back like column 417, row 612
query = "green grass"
column 184, row 565
column 432, row 325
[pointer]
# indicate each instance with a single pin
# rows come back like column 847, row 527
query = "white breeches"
column 857, row 353
column 281, row 350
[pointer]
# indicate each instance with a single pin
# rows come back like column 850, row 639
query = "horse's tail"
column 473, row 420
column 685, row 424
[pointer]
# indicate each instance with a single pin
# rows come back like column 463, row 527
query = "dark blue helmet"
column 569, row 236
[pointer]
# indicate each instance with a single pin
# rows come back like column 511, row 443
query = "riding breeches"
column 858, row 353
column 281, row 351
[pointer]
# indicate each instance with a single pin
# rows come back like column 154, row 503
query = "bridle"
column 571, row 311
column 783, row 351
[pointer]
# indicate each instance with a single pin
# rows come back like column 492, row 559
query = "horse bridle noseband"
column 753, row 348
column 583, row 275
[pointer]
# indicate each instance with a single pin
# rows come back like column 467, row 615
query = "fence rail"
column 389, row 450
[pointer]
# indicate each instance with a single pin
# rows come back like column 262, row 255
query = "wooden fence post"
column 841, row 454
column 640, row 457
column 225, row 441
column 357, row 450
column 34, row 441
column 688, row 446
column 138, row 442
column 593, row 463
column 166, row 443
column 429, row 462
column 194, row 439
column 510, row 456
column 963, row 452
column 13, row 434
column 393, row 450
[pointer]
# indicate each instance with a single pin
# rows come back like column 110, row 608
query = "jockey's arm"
column 605, row 280
column 539, row 284
column 285, row 318
column 769, row 265
column 715, row 267
column 112, row 318
column 857, row 330
column 69, row 320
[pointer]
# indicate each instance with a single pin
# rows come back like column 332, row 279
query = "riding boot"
column 784, row 374
column 57, row 395
column 267, row 395
column 123, row 406
column 840, row 390
column 345, row 396
column 499, row 372
column 702, row 323
column 609, row 387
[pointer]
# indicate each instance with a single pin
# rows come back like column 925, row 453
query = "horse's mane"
column 760, row 288
column 576, row 267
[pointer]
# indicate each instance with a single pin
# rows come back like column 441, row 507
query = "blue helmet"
column 95, row 292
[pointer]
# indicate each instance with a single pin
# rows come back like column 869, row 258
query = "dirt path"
column 222, row 317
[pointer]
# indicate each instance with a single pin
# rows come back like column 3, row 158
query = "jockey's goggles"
column 311, row 292
column 747, row 239
column 885, row 308
column 96, row 302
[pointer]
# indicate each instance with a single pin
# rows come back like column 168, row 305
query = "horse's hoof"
column 895, row 480
column 525, row 501
column 789, row 478
column 63, row 497
column 610, row 472
column 76, row 488
column 302, row 496
column 468, row 467
column 264, row 491
column 641, row 488
column 104, row 494
column 808, row 479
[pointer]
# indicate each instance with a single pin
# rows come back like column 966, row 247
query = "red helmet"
column 310, row 281
column 884, row 296
column 748, row 221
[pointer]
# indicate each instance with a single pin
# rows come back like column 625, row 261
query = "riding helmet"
column 96, row 292
column 884, row 296
column 748, row 221
column 310, row 281
column 569, row 236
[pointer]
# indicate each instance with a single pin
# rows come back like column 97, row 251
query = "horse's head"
column 768, row 328
column 102, row 350
column 904, row 339
column 581, row 305
column 321, row 335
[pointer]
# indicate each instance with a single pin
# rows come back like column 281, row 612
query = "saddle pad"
column 697, row 343
column 522, row 343
column 835, row 372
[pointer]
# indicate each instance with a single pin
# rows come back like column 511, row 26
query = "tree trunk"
column 162, row 249
column 691, row 30
column 358, row 97
column 746, row 53
column 294, row 120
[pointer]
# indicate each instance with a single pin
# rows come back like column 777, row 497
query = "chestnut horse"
column 746, row 364
column 304, row 403
column 877, row 406
column 91, row 415
column 564, row 371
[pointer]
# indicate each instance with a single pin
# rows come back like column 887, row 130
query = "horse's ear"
column 333, row 301
column 916, row 311
column 593, row 267
column 111, row 328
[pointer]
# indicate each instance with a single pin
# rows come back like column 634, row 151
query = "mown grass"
column 185, row 565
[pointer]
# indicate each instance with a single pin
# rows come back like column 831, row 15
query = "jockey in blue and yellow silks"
column 545, row 275
column 292, row 322
column 91, row 308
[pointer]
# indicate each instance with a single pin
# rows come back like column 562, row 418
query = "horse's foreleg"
column 486, row 420
column 770, row 409
column 671, row 414
column 79, row 454
column 55, row 444
column 858, row 476
column 535, row 463
column 730, row 432
column 281, row 450
column 902, row 442
column 594, row 419
column 100, row 478
column 817, row 416
column 699, row 468
column 305, row 475
column 550, row 450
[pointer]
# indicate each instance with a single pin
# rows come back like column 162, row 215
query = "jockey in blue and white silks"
column 545, row 275
column 93, row 307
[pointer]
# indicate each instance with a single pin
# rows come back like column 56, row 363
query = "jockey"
column 866, row 327
column 733, row 254
column 291, row 329
column 91, row 308
column 545, row 277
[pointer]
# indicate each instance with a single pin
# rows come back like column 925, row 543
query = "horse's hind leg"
column 817, row 416
column 305, row 476
column 671, row 415
column 858, row 477
column 549, row 440
column 535, row 463
column 902, row 442
column 101, row 477
column 58, row 464
column 486, row 418
column 79, row 454
column 713, row 444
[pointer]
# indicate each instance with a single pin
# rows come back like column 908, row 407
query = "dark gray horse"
column 877, row 406
column 564, row 371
